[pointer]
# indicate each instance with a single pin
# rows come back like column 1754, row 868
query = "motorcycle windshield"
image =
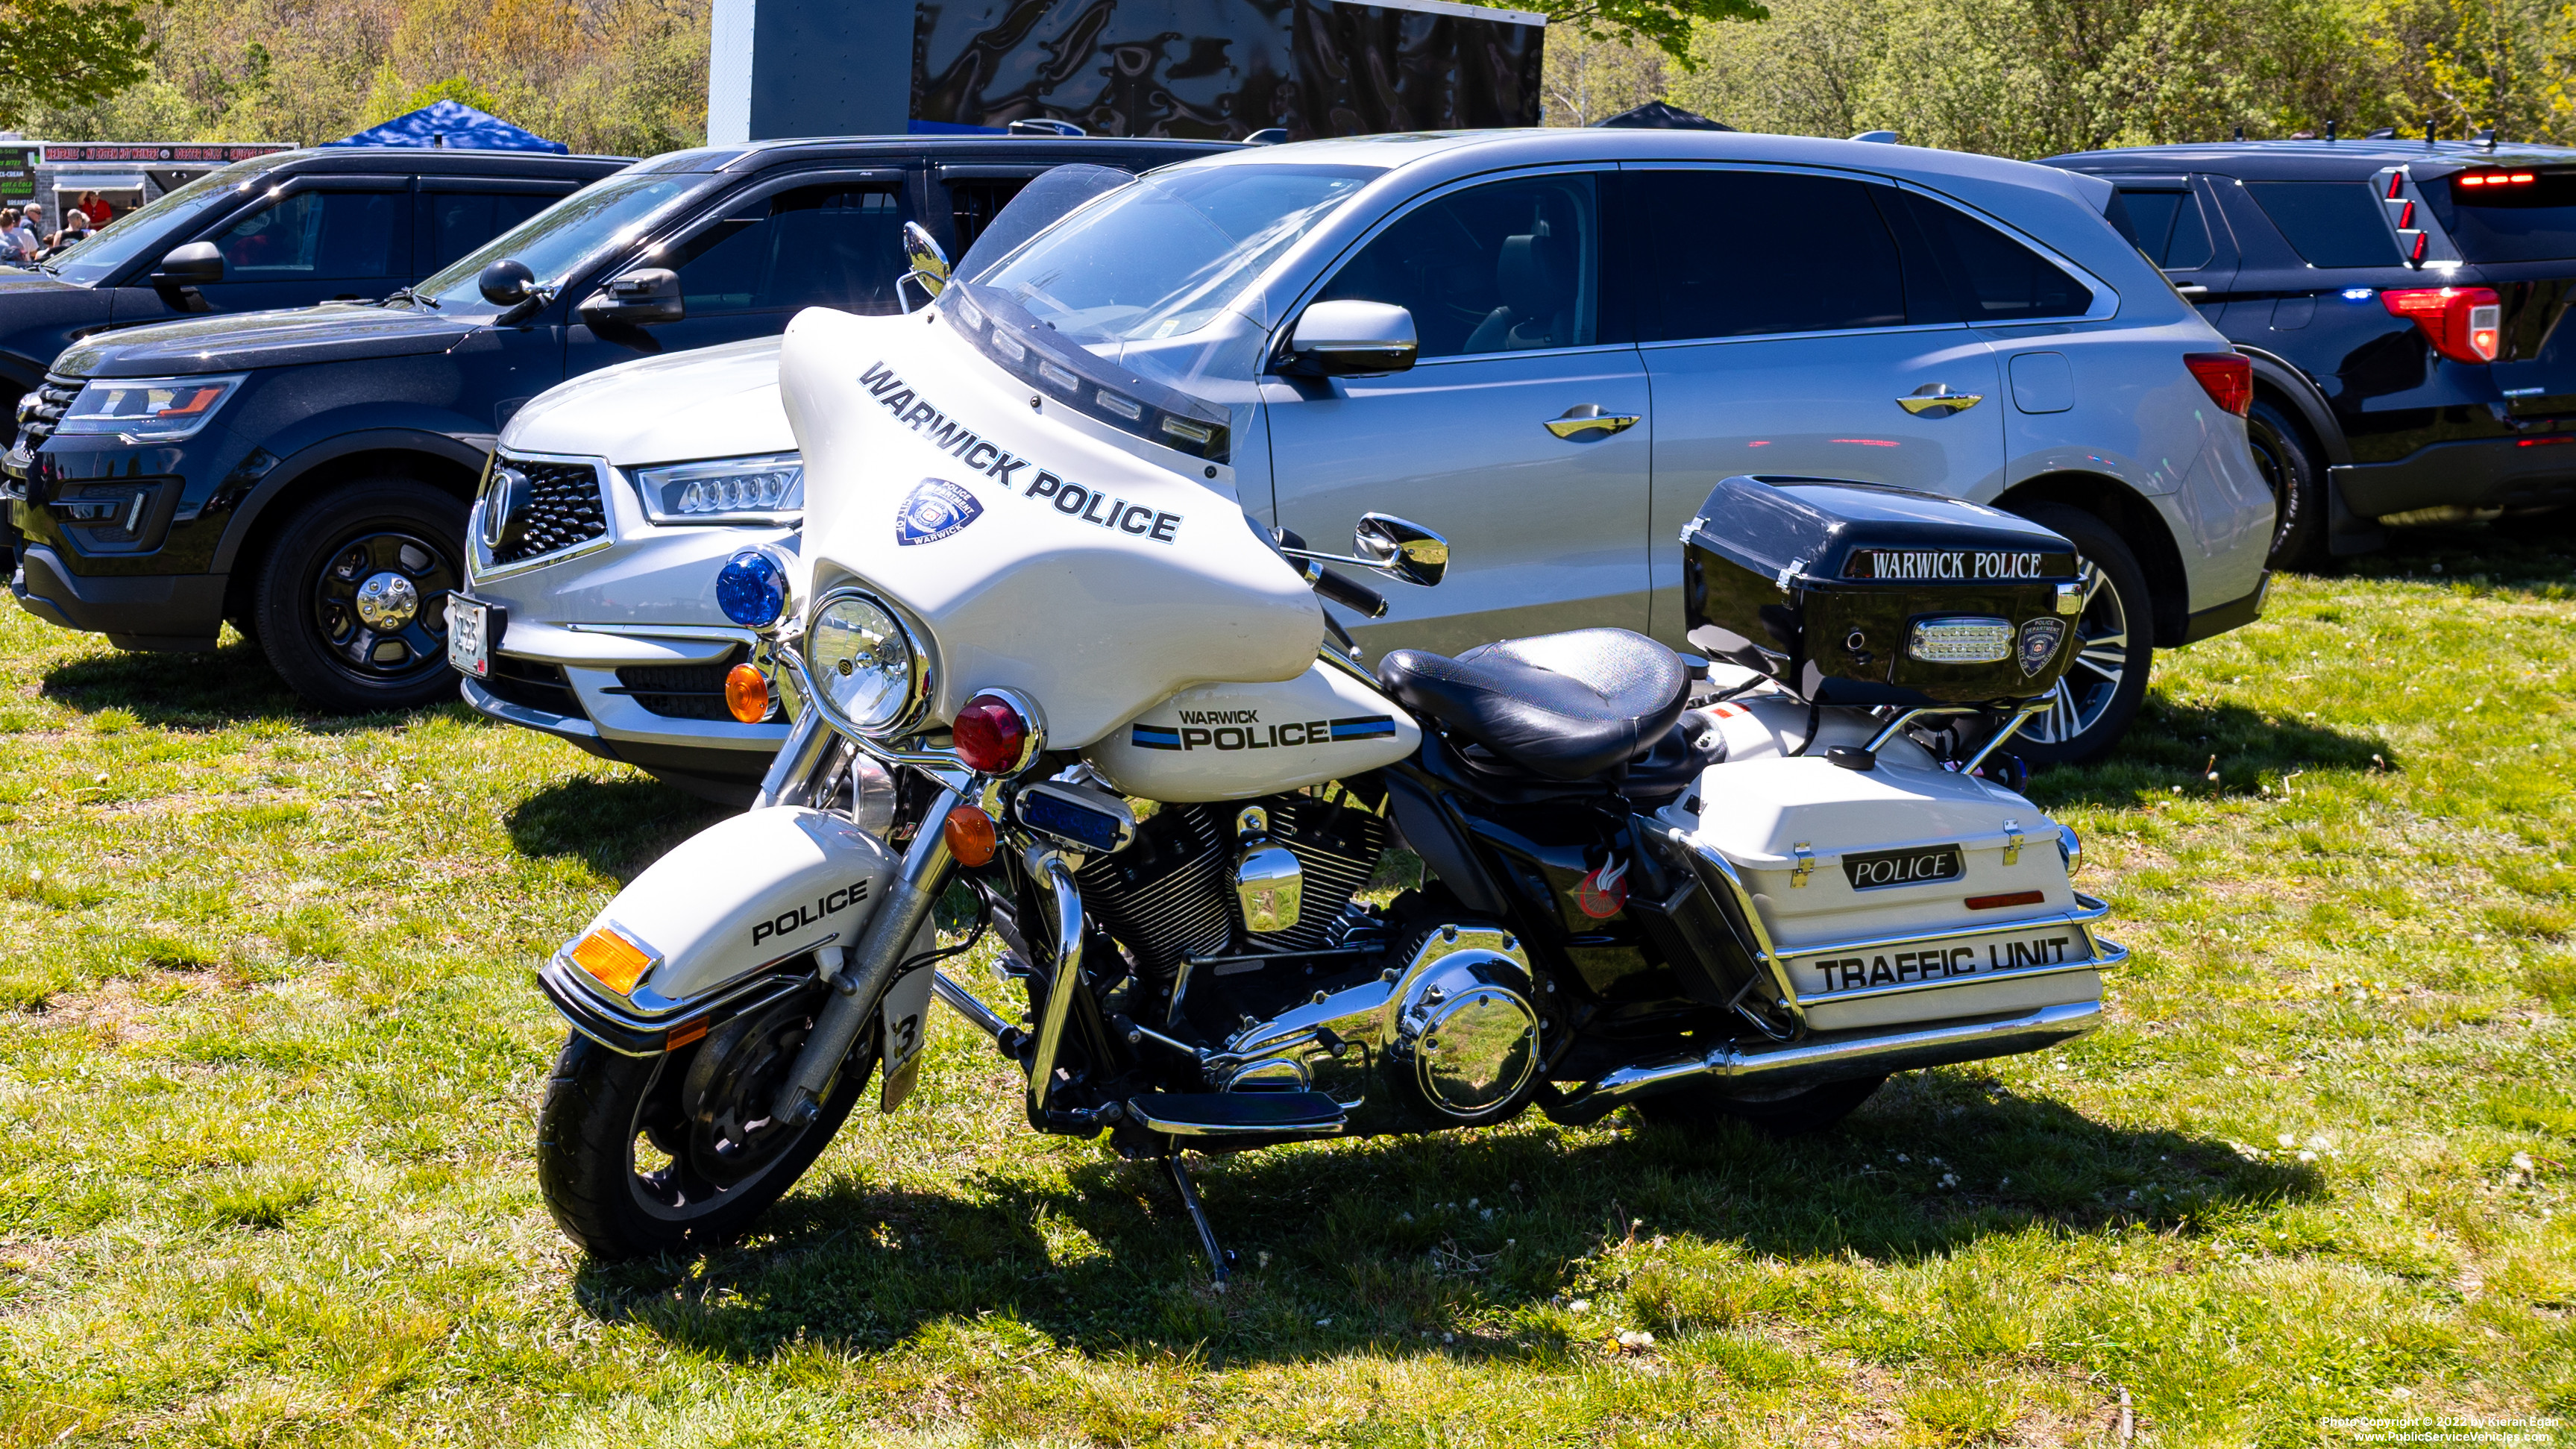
column 1148, row 275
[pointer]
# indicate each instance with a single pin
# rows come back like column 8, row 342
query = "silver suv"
column 1606, row 323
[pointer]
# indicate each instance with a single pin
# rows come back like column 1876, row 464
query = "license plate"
column 1902, row 867
column 469, row 636
column 1952, row 960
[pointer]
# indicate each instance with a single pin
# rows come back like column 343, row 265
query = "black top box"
column 1861, row 594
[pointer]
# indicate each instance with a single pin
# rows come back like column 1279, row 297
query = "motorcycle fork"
column 870, row 964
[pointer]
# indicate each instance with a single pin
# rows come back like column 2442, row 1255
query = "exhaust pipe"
column 1829, row 1057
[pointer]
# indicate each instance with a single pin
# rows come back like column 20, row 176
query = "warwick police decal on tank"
column 935, row 509
column 1238, row 741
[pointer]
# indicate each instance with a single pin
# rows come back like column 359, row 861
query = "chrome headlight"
column 866, row 664
column 768, row 488
column 147, row 409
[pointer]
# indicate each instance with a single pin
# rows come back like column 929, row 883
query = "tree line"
column 2010, row 77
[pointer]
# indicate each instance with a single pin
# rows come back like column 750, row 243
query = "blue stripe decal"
column 1155, row 737
column 1369, row 727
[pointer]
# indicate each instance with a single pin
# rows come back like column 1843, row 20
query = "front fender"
column 721, row 918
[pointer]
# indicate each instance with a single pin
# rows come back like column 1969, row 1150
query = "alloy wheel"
column 2092, row 682
column 705, row 1127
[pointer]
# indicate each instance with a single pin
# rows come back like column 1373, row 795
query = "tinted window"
column 1718, row 265
column 972, row 204
column 2168, row 227
column 2330, row 223
column 461, row 221
column 2509, row 219
column 319, row 236
column 1508, row 267
column 819, row 246
column 1998, row 279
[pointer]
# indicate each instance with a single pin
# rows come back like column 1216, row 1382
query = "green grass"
column 269, row 1054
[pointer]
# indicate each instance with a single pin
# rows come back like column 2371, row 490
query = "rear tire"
column 351, row 603
column 1800, row 1113
column 2115, row 640
column 2290, row 468
column 641, row 1156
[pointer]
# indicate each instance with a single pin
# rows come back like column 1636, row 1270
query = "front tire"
column 677, row 1153
column 351, row 603
column 2115, row 646
column 1800, row 1113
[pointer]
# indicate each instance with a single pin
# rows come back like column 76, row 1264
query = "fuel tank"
column 1037, row 549
column 1239, row 741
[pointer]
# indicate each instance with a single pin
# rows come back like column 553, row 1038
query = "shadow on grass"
column 616, row 827
column 1387, row 1237
column 2534, row 555
column 178, row 691
column 232, row 685
column 2179, row 743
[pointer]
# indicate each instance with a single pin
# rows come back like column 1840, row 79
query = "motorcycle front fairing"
column 993, row 510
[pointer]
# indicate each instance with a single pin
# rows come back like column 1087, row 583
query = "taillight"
column 990, row 734
column 2228, row 378
column 2464, row 324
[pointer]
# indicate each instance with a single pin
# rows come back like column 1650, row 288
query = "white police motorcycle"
column 1040, row 661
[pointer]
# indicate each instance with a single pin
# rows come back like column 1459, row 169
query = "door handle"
column 1935, row 400
column 1589, row 419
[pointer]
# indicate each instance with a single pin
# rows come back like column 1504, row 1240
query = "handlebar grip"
column 1357, row 597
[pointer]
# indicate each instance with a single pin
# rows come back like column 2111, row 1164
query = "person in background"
column 12, row 248
column 75, row 227
column 96, row 208
column 31, row 228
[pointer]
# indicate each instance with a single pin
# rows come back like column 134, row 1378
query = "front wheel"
column 674, row 1154
column 350, row 603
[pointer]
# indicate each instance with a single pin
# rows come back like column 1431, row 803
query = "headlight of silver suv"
column 769, row 488
column 866, row 663
column 147, row 409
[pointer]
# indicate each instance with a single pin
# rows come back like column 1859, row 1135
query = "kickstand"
column 1220, row 1262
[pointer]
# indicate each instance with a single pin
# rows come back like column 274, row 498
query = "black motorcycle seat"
column 1568, row 706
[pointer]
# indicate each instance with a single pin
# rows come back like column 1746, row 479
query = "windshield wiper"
column 406, row 294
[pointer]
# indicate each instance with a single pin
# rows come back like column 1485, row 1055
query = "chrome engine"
column 1452, row 1032
column 1394, row 1021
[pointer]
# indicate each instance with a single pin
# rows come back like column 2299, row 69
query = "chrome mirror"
column 1407, row 551
column 929, row 264
column 1352, row 339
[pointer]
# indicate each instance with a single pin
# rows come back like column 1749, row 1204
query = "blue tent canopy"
column 452, row 123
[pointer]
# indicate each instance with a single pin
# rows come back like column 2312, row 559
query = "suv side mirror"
column 1408, row 551
column 1352, row 339
column 193, row 265
column 928, row 262
column 639, row 298
column 507, row 282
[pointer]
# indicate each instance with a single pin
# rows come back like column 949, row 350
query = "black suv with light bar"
column 2400, row 301
column 306, row 474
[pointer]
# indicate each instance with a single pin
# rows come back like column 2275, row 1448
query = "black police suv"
column 287, row 230
column 306, row 474
column 2400, row 301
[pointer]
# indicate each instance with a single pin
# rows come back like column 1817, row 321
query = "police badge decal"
column 2039, row 641
column 935, row 509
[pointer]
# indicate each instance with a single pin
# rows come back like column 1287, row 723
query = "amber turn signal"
column 970, row 835
column 747, row 694
column 614, row 961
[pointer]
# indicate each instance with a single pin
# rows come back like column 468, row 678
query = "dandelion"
column 1579, row 1305
column 2289, row 1139
column 1471, row 1202
column 1448, row 1338
column 1487, row 1215
column 2522, row 1162
column 1323, row 1323
column 2306, row 1156
column 1634, row 1340
column 1901, row 1157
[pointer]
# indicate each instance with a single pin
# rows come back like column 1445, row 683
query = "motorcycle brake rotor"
column 727, row 1097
